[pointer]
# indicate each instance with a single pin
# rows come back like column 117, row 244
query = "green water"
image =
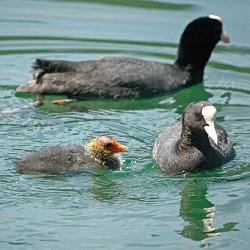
column 139, row 207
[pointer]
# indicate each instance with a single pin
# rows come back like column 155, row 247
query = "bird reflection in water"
column 199, row 213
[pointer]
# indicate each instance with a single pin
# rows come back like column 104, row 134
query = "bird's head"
column 104, row 147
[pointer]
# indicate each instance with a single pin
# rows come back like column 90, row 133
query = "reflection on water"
column 199, row 213
column 139, row 4
column 105, row 188
column 177, row 100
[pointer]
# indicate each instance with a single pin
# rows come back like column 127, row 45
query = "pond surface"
column 139, row 207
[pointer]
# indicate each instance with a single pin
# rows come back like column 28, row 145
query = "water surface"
column 139, row 207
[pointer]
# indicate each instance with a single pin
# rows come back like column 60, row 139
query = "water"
column 139, row 207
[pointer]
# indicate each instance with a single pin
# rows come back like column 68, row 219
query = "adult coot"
column 194, row 143
column 115, row 77
column 100, row 153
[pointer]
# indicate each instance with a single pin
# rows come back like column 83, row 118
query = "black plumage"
column 117, row 77
column 194, row 143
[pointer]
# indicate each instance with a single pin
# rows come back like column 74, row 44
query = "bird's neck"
column 193, row 59
column 198, row 139
column 186, row 138
column 97, row 152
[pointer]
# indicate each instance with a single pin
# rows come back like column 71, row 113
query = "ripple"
column 139, row 4
column 139, row 206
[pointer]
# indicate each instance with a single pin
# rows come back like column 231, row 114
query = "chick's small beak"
column 117, row 147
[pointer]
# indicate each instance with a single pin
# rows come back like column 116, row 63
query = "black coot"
column 114, row 77
column 195, row 143
column 100, row 153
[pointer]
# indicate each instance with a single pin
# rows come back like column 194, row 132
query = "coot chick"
column 195, row 143
column 100, row 153
column 115, row 77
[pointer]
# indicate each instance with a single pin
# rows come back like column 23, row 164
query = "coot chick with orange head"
column 117, row 77
column 100, row 153
column 195, row 143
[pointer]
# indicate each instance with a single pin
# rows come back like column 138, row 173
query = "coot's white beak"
column 209, row 113
column 224, row 37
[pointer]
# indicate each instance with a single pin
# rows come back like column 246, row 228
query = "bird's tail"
column 44, row 66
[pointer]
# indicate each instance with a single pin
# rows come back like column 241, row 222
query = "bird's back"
column 55, row 159
column 109, row 77
column 225, row 147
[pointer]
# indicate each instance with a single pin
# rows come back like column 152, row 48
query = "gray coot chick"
column 195, row 143
column 117, row 77
column 100, row 153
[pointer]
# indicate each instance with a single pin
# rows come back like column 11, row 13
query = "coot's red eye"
column 199, row 116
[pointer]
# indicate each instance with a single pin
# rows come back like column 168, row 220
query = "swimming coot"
column 115, row 77
column 195, row 143
column 100, row 153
